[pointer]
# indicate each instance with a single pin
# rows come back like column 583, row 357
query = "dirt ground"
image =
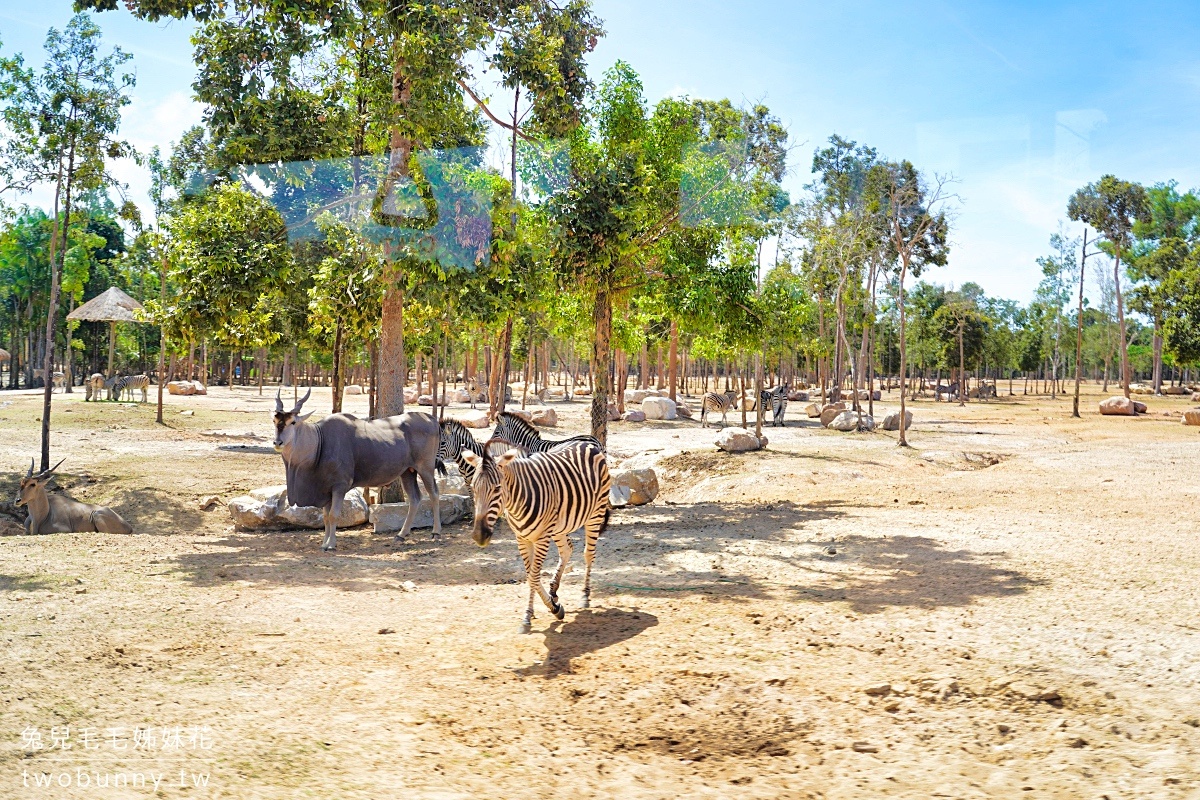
column 1008, row 609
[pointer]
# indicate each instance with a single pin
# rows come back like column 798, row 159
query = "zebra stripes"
column 130, row 383
column 775, row 399
column 457, row 440
column 544, row 497
column 522, row 434
column 716, row 401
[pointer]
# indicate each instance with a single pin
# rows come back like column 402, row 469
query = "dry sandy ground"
column 1009, row 609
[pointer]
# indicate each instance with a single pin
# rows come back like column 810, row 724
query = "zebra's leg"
column 527, row 557
column 539, row 547
column 591, row 532
column 563, row 543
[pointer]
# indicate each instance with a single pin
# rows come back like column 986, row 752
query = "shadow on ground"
column 586, row 632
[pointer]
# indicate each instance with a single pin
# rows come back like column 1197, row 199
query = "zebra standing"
column 544, row 497
column 716, row 401
column 457, row 440
column 775, row 399
column 130, row 383
column 522, row 434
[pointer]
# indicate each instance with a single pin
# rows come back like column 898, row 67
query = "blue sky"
column 1022, row 102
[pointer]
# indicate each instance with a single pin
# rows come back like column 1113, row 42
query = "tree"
column 1112, row 207
column 914, row 214
column 63, row 124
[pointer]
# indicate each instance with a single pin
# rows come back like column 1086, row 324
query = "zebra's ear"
column 474, row 459
column 508, row 457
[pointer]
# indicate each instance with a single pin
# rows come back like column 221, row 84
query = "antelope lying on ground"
column 57, row 513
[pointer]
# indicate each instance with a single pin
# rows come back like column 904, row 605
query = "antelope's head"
column 288, row 422
column 32, row 484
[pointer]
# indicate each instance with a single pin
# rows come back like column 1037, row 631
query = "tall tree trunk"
column 394, row 369
column 601, row 363
column 903, row 442
column 1125, row 376
column 338, row 335
column 52, row 312
column 1078, row 330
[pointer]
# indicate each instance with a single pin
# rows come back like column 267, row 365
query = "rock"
column 634, row 416
column 188, row 413
column 389, row 517
column 1035, row 693
column 683, row 410
column 892, row 421
column 409, row 586
column 813, row 410
column 1191, row 417
column 181, row 388
column 353, row 388
column 209, row 502
column 452, row 483
column 427, row 400
column 846, row 421
column 634, row 397
column 830, row 411
column 1118, row 406
column 199, row 387
column 267, row 508
column 878, row 690
column 613, row 414
column 1196, row 397
column 410, row 395
column 795, row 396
column 1175, row 390
column 522, row 413
column 472, row 419
column 460, row 396
column 642, row 484
column 1140, row 407
column 660, row 408
column 866, row 423
column 583, row 391
column 737, row 440
column 864, row 747
column 545, row 417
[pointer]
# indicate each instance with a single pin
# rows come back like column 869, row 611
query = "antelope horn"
column 307, row 394
column 30, row 473
column 278, row 401
column 48, row 473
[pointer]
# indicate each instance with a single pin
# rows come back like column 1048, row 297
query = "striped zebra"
column 716, row 401
column 522, row 434
column 544, row 497
column 130, row 383
column 457, row 440
column 775, row 399
column 475, row 392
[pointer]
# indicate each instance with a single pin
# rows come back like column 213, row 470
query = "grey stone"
column 892, row 421
column 642, row 484
column 738, row 440
column 660, row 408
column 389, row 517
column 1118, row 406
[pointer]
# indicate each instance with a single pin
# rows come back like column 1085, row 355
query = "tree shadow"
column 28, row 583
column 587, row 631
column 915, row 572
column 155, row 512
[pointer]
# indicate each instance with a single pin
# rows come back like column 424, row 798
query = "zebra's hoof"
column 587, row 603
column 525, row 627
column 560, row 612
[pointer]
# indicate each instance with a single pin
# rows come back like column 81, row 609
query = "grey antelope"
column 716, row 401
column 544, row 497
column 129, row 383
column 57, row 513
column 523, row 435
column 324, row 460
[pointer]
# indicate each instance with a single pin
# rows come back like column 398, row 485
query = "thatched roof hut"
column 112, row 306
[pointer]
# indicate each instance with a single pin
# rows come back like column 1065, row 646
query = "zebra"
column 96, row 383
column 475, row 392
column 544, row 497
column 457, row 440
column 716, row 401
column 523, row 435
column 129, row 382
column 775, row 399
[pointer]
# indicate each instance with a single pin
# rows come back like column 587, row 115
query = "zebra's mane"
column 520, row 422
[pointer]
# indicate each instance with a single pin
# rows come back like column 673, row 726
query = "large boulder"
column 683, row 410
column 1191, row 416
column 522, row 413
column 545, row 417
column 1175, row 390
column 353, row 388
column 268, row 508
column 738, row 440
column 389, row 517
column 460, row 396
column 813, row 410
column 660, row 408
column 796, row 396
column 613, row 414
column 472, row 419
column 634, row 397
column 199, row 387
column 634, row 415
column 1196, row 397
column 1118, row 406
column 181, row 388
column 410, row 396
column 830, row 411
column 635, row 486
column 1140, row 407
column 892, row 421
column 851, row 421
